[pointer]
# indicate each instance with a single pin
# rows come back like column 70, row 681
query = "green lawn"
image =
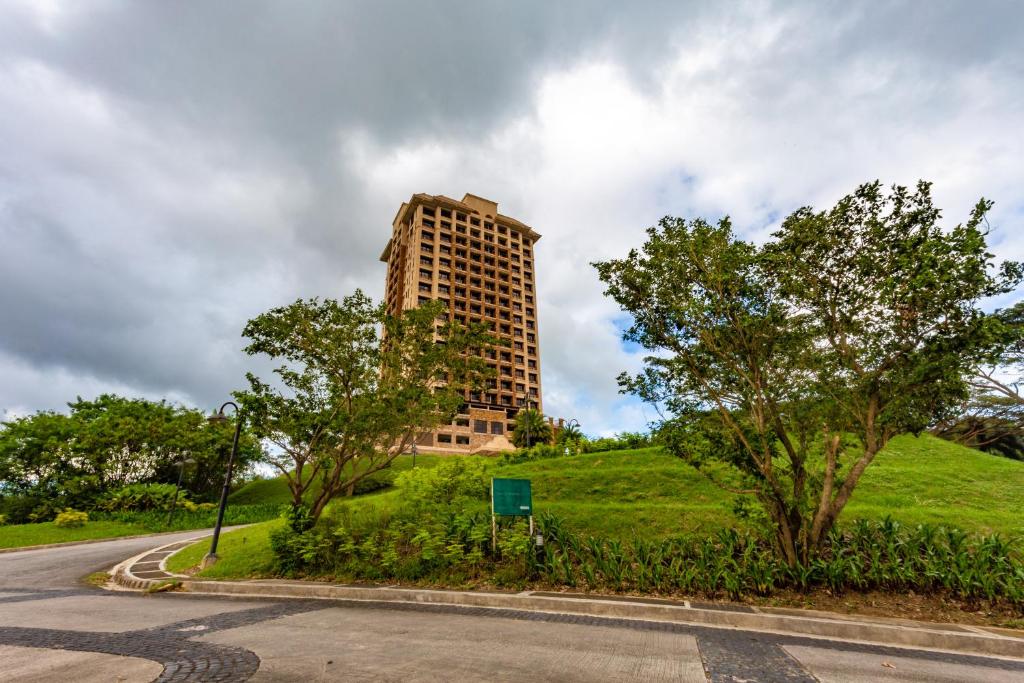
column 651, row 494
column 243, row 553
column 21, row 535
column 275, row 490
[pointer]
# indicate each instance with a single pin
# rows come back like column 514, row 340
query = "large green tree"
column 992, row 416
column 785, row 368
column 103, row 444
column 354, row 389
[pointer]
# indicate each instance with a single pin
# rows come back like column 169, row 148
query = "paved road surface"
column 52, row 628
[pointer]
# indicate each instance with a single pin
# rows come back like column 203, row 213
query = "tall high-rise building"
column 481, row 265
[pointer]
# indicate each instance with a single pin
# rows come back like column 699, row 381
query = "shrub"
column 440, row 528
column 204, row 515
column 539, row 452
column 141, row 497
column 868, row 556
column 3, row 519
column 69, row 519
column 620, row 442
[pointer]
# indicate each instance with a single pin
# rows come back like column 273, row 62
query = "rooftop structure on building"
column 480, row 263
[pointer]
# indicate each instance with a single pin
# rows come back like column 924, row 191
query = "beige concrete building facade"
column 481, row 265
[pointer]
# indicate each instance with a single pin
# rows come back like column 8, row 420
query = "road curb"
column 146, row 570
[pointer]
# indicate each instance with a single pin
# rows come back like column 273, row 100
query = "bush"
column 869, row 556
column 620, row 442
column 25, row 509
column 69, row 519
column 3, row 519
column 539, row 452
column 440, row 528
column 142, row 497
column 204, row 515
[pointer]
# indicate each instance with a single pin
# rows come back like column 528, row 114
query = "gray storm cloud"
column 169, row 170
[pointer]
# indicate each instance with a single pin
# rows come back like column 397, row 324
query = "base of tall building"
column 478, row 431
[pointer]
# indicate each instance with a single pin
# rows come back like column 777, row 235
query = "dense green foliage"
column 49, row 460
column 619, row 442
column 140, row 497
column 441, row 524
column 869, row 556
column 787, row 367
column 355, row 385
column 198, row 517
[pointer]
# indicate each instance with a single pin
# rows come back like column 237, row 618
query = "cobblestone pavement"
column 197, row 638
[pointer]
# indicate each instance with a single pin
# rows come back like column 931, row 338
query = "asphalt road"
column 53, row 628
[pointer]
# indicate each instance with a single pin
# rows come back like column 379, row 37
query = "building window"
column 462, row 440
column 461, row 422
column 444, row 438
column 497, row 428
column 480, row 426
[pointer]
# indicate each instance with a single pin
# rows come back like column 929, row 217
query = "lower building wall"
column 479, row 431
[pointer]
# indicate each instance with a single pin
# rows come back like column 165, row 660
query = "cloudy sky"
column 168, row 170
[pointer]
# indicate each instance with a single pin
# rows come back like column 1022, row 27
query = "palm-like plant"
column 570, row 435
column 531, row 429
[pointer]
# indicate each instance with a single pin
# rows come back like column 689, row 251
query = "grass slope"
column 651, row 494
column 23, row 535
column 275, row 490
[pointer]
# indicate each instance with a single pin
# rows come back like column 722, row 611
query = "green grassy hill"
column 649, row 493
column 275, row 490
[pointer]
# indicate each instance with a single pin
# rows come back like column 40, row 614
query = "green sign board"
column 511, row 497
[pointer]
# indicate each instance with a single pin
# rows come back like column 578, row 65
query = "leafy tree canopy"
column 109, row 442
column 354, row 388
column 785, row 368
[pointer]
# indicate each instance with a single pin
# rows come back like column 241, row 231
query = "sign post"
column 509, row 498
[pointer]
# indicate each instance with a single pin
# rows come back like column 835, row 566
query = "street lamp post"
column 174, row 501
column 526, row 401
column 211, row 557
column 414, row 454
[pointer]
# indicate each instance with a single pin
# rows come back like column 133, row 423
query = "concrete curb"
column 139, row 573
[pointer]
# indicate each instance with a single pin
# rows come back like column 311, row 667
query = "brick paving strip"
column 173, row 645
